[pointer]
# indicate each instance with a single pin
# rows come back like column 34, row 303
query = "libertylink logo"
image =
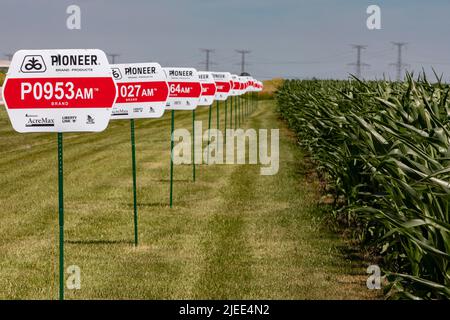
column 236, row 150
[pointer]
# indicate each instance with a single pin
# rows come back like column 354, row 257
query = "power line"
column 399, row 64
column 243, row 53
column 113, row 57
column 207, row 57
column 359, row 64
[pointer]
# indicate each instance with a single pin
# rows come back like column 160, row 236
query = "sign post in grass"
column 231, row 112
column 225, row 124
column 207, row 99
column 193, row 145
column 133, row 161
column 236, row 109
column 217, row 125
column 142, row 93
column 209, row 132
column 172, row 128
column 184, row 94
column 223, row 82
column 61, row 214
column 42, row 95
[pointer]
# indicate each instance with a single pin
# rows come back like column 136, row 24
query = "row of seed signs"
column 77, row 90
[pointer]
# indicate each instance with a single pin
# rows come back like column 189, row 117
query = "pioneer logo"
column 218, row 76
column 140, row 70
column 33, row 64
column 180, row 73
column 40, row 122
column 74, row 60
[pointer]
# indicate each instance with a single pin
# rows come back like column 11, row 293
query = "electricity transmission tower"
column 113, row 57
column 207, row 58
column 358, row 64
column 243, row 53
column 399, row 65
column 9, row 56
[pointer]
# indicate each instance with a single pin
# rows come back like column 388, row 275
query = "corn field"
column 383, row 149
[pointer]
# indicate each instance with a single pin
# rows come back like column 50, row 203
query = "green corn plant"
column 384, row 148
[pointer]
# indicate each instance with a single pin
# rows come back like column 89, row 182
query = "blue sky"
column 288, row 38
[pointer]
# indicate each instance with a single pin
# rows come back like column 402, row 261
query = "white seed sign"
column 223, row 84
column 184, row 88
column 68, row 90
column 208, row 88
column 142, row 91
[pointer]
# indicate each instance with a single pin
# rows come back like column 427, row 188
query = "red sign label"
column 208, row 89
column 235, row 85
column 184, row 89
column 129, row 92
column 224, row 87
column 28, row 93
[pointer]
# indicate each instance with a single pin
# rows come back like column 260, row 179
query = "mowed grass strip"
column 231, row 234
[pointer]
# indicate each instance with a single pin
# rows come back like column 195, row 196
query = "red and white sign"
column 248, row 82
column 235, row 88
column 142, row 91
column 253, row 85
column 223, row 84
column 208, row 88
column 241, row 81
column 259, row 86
column 68, row 90
column 184, row 88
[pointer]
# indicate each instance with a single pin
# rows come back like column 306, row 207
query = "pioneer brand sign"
column 59, row 91
column 259, row 86
column 184, row 88
column 208, row 88
column 223, row 84
column 235, row 88
column 241, row 85
column 247, row 82
column 142, row 91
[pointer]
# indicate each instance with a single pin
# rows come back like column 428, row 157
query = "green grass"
column 233, row 234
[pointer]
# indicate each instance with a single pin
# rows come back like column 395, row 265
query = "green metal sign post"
column 133, row 160
column 61, row 215
column 239, row 110
column 172, row 125
column 231, row 112
column 209, row 132
column 246, row 105
column 235, row 113
column 217, row 125
column 225, row 129
column 193, row 145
